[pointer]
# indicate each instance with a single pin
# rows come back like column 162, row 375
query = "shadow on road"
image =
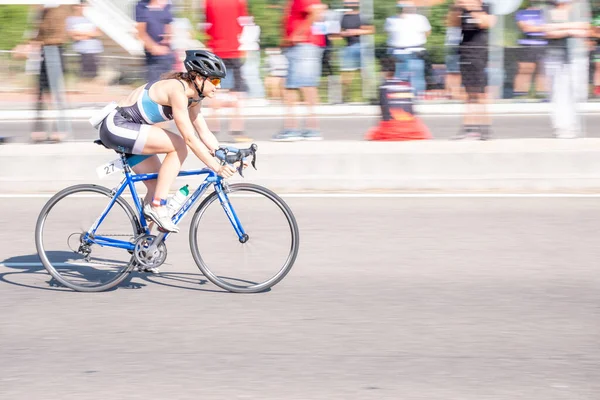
column 28, row 266
column 176, row 279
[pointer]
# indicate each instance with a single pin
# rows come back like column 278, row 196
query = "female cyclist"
column 130, row 128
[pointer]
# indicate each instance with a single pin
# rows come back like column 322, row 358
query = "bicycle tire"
column 287, row 266
column 135, row 224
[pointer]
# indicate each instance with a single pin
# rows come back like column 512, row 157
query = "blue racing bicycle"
column 243, row 237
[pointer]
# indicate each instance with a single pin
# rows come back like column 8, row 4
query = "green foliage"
column 268, row 14
column 381, row 11
column 437, row 39
column 13, row 23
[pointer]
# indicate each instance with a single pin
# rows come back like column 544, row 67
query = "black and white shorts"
column 473, row 69
column 119, row 134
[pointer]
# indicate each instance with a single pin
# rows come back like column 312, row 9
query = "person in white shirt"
column 249, row 44
column 277, row 64
column 407, row 36
column 85, row 40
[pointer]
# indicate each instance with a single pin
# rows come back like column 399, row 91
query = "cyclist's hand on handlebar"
column 226, row 171
column 237, row 157
column 244, row 165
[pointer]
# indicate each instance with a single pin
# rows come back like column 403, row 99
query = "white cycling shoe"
column 161, row 216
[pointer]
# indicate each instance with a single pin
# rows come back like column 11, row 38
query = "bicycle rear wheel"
column 260, row 262
column 67, row 250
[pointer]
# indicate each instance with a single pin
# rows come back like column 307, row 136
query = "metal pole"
column 496, row 56
column 54, row 71
column 367, row 53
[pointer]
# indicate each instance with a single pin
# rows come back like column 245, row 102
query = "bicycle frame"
column 129, row 182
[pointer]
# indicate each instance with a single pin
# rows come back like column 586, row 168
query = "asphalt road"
column 397, row 298
column 345, row 128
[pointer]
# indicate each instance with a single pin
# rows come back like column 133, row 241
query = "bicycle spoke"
column 260, row 262
column 61, row 238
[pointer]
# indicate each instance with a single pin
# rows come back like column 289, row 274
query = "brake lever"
column 253, row 148
column 241, row 167
column 231, row 155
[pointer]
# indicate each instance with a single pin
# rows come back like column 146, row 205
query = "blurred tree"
column 13, row 23
column 437, row 40
column 268, row 15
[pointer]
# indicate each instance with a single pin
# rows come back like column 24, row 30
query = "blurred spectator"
column 326, row 67
column 86, row 43
column 453, row 39
column 408, row 32
column 475, row 20
column 353, row 26
column 304, row 50
column 223, row 25
column 532, row 51
column 154, row 29
column 277, row 65
column 249, row 44
column 329, row 26
column 52, row 37
column 567, row 26
column 398, row 122
column 595, row 35
column 182, row 38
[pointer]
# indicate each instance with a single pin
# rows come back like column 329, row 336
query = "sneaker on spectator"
column 311, row 134
column 287, row 135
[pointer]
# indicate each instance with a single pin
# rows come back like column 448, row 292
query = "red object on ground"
column 407, row 128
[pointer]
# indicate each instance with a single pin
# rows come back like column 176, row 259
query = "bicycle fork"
column 230, row 212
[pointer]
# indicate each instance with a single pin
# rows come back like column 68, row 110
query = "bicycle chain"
column 132, row 261
column 117, row 234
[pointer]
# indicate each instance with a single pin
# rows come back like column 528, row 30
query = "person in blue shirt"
column 154, row 18
column 533, row 48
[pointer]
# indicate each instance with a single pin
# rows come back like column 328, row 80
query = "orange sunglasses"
column 214, row 81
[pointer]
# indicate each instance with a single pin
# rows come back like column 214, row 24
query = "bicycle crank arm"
column 155, row 243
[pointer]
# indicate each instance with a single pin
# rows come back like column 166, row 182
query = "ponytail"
column 189, row 77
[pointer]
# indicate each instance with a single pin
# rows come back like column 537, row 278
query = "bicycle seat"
column 99, row 142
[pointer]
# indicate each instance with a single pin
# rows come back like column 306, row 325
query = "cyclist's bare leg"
column 162, row 141
column 149, row 166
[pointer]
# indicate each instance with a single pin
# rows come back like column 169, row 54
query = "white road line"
column 258, row 118
column 359, row 195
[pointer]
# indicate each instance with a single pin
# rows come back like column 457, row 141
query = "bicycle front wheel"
column 71, row 252
column 267, row 255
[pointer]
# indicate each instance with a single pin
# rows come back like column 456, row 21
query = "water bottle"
column 178, row 200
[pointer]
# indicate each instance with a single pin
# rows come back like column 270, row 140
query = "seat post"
column 126, row 166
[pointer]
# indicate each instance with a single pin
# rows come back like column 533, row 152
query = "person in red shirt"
column 303, row 40
column 223, row 26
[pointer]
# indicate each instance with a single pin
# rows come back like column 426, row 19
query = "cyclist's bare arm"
column 179, row 103
column 207, row 137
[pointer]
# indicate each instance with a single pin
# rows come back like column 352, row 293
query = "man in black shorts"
column 475, row 21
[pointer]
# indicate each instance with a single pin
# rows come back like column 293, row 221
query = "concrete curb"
column 322, row 110
column 504, row 165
